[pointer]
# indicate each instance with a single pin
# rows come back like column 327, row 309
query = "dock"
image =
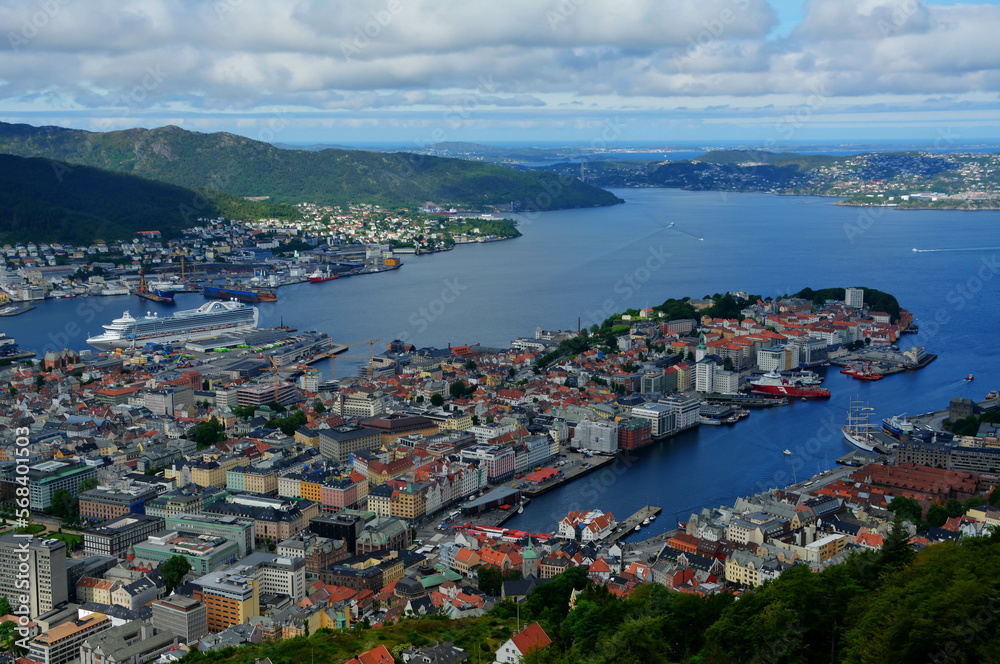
column 628, row 526
column 543, row 488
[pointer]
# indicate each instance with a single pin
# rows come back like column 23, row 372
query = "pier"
column 628, row 526
column 543, row 488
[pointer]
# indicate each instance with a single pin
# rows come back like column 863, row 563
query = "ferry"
column 251, row 295
column 773, row 385
column 208, row 320
column 898, row 426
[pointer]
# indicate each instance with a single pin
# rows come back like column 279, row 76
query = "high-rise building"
column 231, row 596
column 854, row 297
column 181, row 616
column 46, row 574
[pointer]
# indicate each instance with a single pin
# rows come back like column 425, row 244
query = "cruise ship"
column 208, row 320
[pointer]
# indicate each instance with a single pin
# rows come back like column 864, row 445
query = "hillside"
column 47, row 201
column 892, row 605
column 244, row 167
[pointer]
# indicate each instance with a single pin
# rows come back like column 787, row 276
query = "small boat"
column 970, row 377
column 787, row 452
column 645, row 522
column 638, row 528
column 992, row 395
column 652, row 517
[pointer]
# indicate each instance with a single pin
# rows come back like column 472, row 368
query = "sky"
column 589, row 72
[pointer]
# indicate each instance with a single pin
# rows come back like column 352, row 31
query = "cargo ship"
column 208, row 320
column 318, row 277
column 774, row 385
column 250, row 295
column 865, row 373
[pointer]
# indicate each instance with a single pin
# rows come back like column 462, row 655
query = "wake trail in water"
column 928, row 251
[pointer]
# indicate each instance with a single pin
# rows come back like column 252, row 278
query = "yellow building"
column 408, row 504
column 232, row 597
column 306, row 436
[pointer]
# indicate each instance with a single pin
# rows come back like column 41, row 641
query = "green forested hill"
column 244, row 167
column 42, row 200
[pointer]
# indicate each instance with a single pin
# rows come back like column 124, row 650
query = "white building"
column 659, row 415
column 597, row 436
column 855, row 297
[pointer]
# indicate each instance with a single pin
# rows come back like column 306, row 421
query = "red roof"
column 377, row 655
column 532, row 637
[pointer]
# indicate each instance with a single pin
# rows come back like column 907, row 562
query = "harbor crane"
column 371, row 357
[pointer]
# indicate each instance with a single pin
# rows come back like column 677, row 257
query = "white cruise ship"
column 208, row 320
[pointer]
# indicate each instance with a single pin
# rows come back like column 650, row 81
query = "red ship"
column 318, row 277
column 774, row 385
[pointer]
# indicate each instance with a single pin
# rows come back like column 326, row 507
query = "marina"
column 645, row 516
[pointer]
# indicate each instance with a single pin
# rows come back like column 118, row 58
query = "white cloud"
column 413, row 55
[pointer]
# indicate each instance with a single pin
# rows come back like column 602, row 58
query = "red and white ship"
column 318, row 277
column 774, row 385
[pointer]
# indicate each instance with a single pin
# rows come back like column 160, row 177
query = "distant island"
column 908, row 180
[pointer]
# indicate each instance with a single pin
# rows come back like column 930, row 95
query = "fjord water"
column 587, row 263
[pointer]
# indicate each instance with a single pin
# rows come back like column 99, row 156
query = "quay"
column 576, row 473
column 744, row 401
column 16, row 310
column 628, row 526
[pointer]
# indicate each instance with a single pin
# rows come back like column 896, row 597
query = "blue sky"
column 600, row 72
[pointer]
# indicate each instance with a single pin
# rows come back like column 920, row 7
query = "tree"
column 5, row 609
column 420, row 398
column 87, row 485
column 994, row 498
column 974, row 502
column 319, row 408
column 511, row 372
column 727, row 363
column 64, row 505
column 490, row 580
column 470, row 365
column 954, row 507
column 207, row 433
column 936, row 516
column 906, row 509
column 437, row 400
column 457, row 389
column 173, row 571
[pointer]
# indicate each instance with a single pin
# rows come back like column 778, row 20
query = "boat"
column 859, row 431
column 773, row 385
column 652, row 517
column 970, row 377
column 992, row 395
column 250, row 295
column 787, row 452
column 318, row 277
column 637, row 528
column 712, row 421
column 645, row 522
column 898, row 426
column 807, row 378
column 208, row 320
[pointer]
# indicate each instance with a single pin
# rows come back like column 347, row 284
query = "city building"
column 340, row 442
column 854, row 297
column 182, row 616
column 231, row 597
column 135, row 642
column 103, row 504
column 61, row 644
column 240, row 531
column 44, row 479
column 113, row 538
column 46, row 560
column 660, row 417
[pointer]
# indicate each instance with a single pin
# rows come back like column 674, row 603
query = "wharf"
column 545, row 487
column 745, row 401
column 16, row 310
column 859, row 458
column 628, row 527
column 14, row 357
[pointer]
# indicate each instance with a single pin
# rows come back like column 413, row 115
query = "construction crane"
column 371, row 357
column 274, row 366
